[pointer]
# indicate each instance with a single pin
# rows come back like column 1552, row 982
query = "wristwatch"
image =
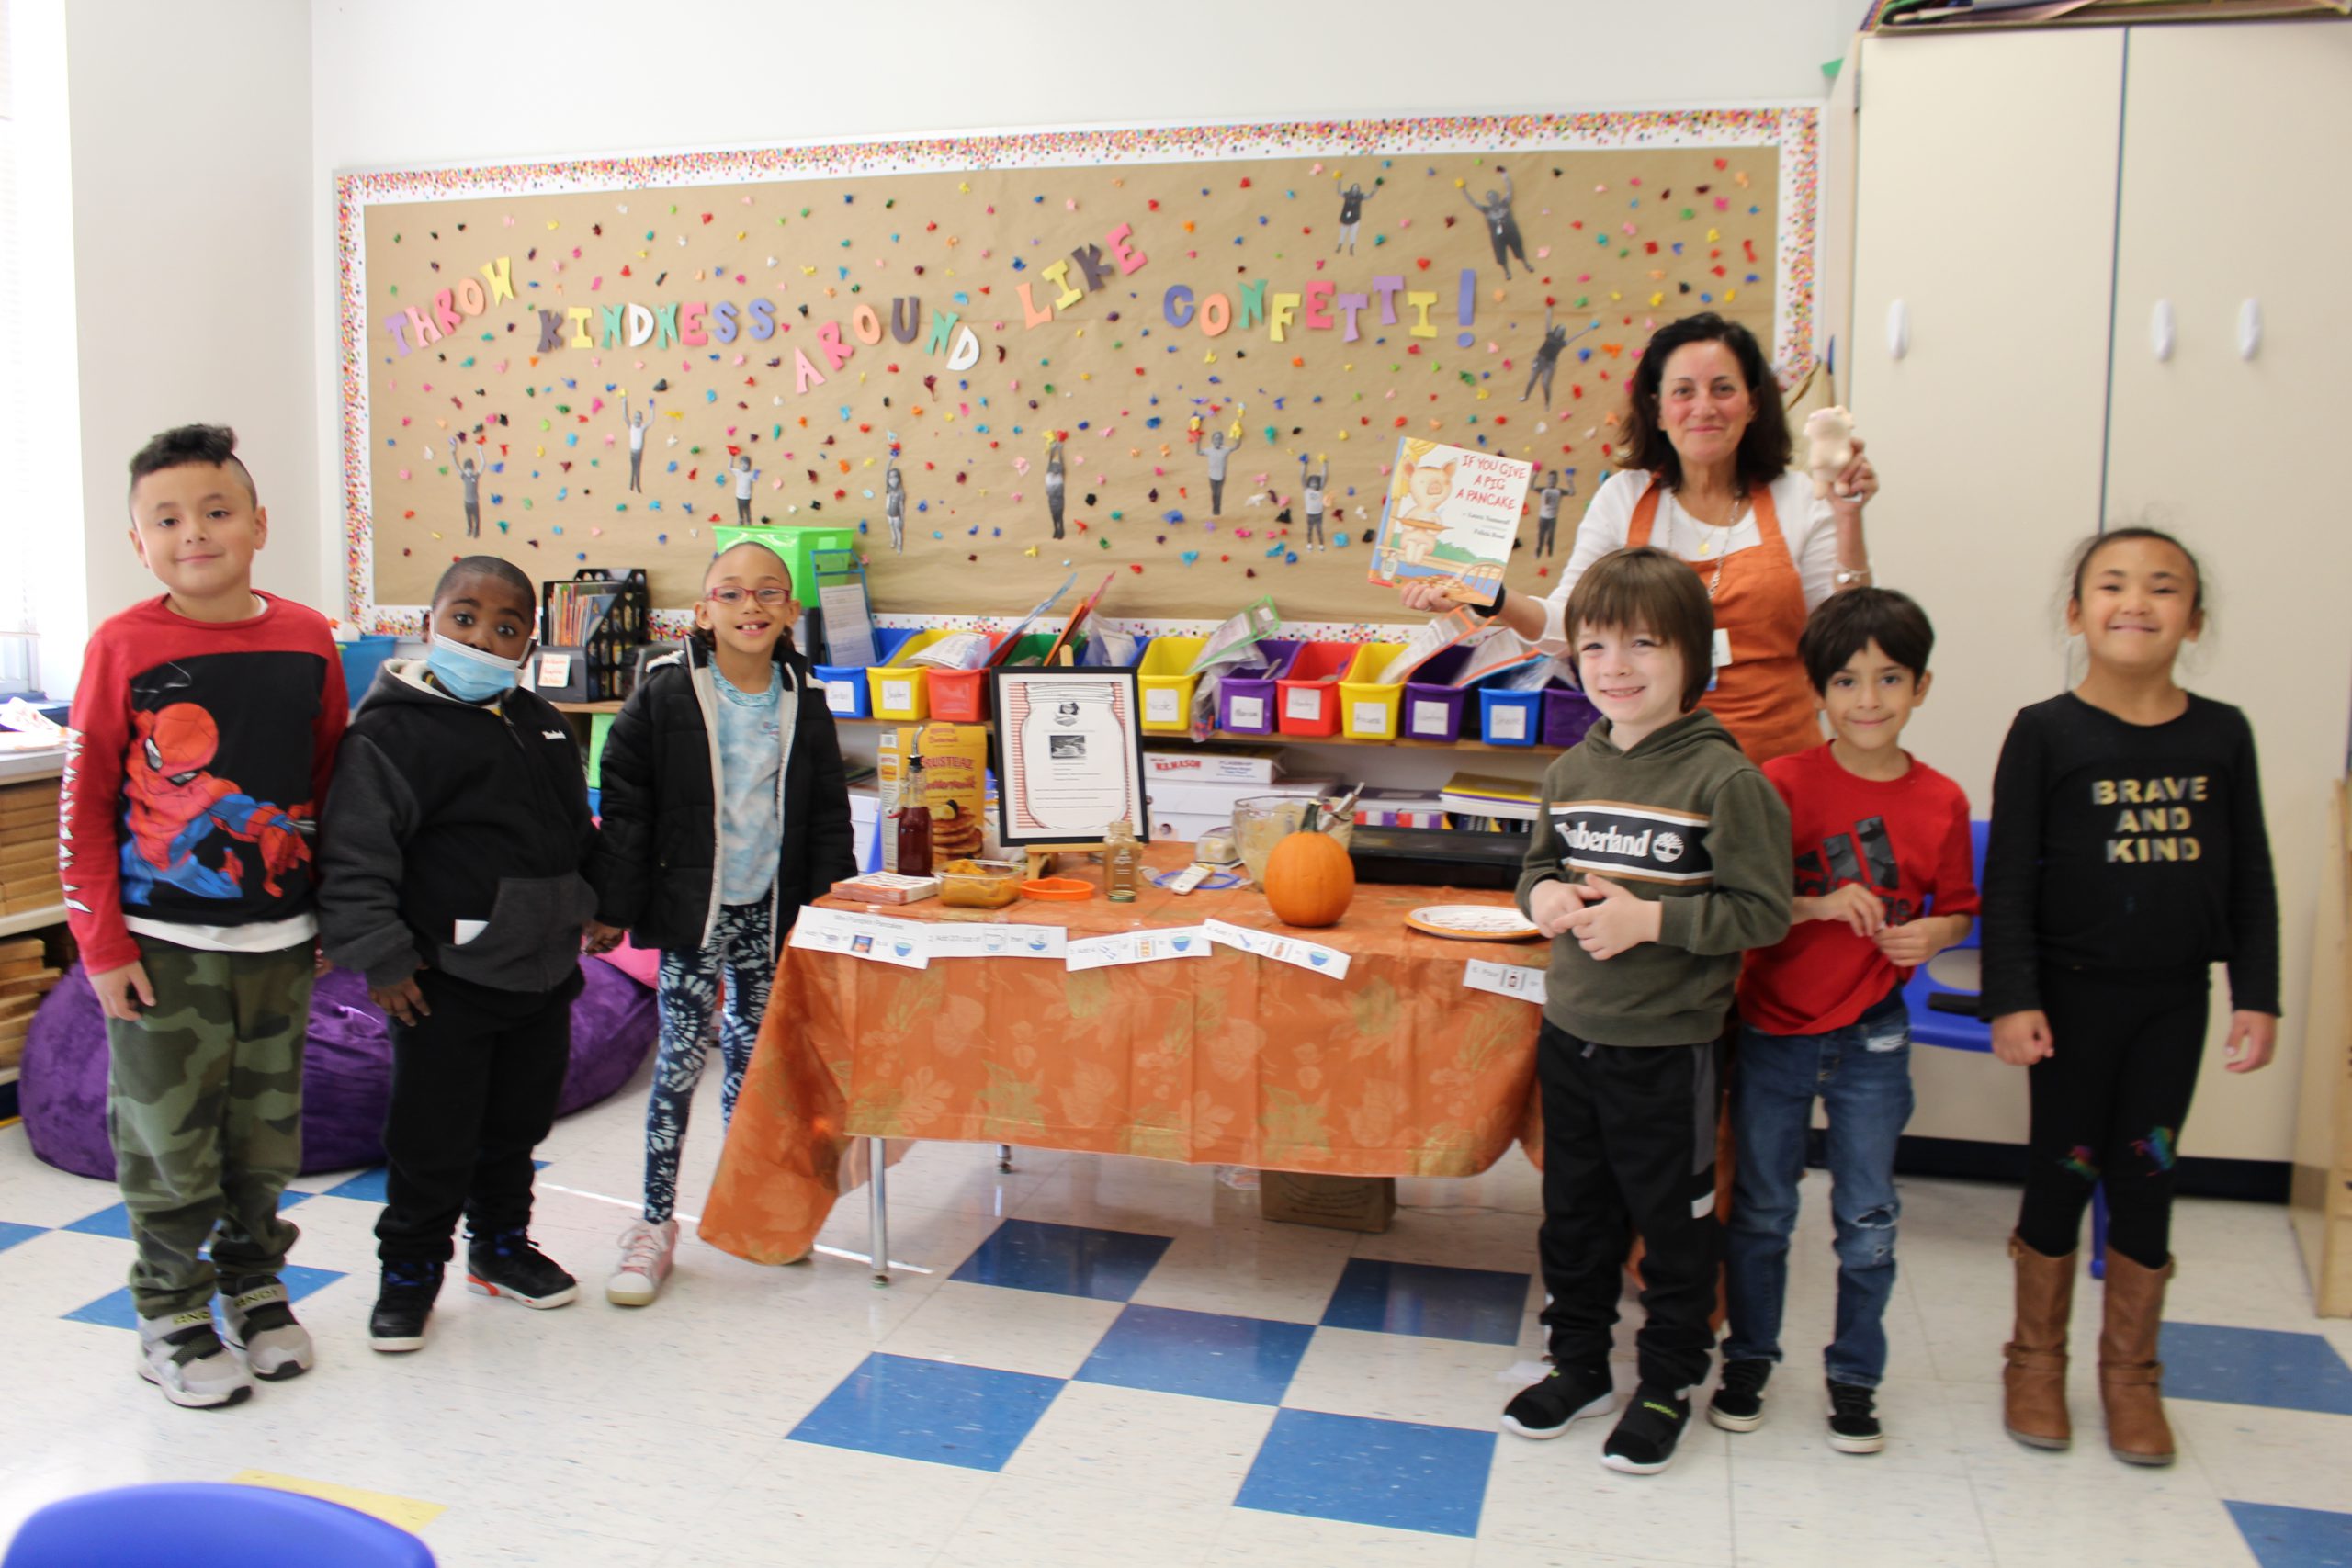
column 1859, row 576
column 1491, row 611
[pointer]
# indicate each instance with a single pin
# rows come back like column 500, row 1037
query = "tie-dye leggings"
column 741, row 952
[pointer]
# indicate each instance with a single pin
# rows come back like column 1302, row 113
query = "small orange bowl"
column 1062, row 888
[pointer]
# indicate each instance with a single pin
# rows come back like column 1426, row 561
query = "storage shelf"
column 1225, row 738
column 32, row 920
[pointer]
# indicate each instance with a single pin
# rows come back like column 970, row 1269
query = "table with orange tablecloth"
column 1398, row 1069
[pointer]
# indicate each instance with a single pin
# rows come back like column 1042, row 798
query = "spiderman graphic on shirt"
column 173, row 806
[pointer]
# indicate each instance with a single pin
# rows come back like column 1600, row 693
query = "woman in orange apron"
column 1706, row 446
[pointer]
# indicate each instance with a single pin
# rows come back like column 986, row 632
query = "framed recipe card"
column 1069, row 755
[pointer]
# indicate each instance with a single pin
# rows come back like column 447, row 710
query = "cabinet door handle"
column 2160, row 330
column 1898, row 330
column 2249, row 328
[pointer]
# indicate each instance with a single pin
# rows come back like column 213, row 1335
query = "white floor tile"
column 1014, row 1331
column 1403, row 1377
column 1254, row 1538
column 1029, row 1522
column 1806, row 1513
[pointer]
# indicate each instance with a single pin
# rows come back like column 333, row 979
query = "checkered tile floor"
column 1093, row 1360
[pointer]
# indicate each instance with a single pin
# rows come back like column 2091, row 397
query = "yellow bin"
column 1167, row 690
column 901, row 690
column 1367, row 708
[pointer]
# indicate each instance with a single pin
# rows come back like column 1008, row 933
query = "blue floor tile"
column 12, row 1232
column 1401, row 1475
column 114, row 1310
column 2294, row 1538
column 1248, row 1359
column 1068, row 1260
column 2254, row 1366
column 1478, row 1305
column 940, row 1411
column 114, row 1220
column 368, row 1187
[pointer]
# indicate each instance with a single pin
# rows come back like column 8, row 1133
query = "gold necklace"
column 1738, row 505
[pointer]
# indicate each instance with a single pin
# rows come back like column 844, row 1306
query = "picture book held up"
column 1451, row 517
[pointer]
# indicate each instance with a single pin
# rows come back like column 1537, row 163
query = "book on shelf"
column 1483, row 802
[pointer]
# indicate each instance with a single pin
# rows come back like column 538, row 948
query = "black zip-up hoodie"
column 656, row 866
column 454, row 838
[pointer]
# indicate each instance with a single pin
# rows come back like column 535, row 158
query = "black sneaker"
column 1739, row 1404
column 403, row 1300
column 504, row 1263
column 1566, row 1395
column 1643, row 1442
column 1853, row 1420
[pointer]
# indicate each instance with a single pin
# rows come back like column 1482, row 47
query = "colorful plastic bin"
column 1432, row 706
column 903, row 691
column 1367, row 705
column 1166, row 688
column 847, row 694
column 798, row 543
column 1567, row 714
column 1308, row 692
column 1246, row 698
column 961, row 697
column 362, row 657
column 1509, row 718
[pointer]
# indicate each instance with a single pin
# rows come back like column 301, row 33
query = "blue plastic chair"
column 1943, row 1016
column 209, row 1525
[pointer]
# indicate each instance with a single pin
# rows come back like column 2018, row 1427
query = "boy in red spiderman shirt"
column 204, row 731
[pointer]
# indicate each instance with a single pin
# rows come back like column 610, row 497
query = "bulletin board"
column 981, row 311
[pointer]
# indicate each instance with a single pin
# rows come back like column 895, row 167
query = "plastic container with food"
column 980, row 884
column 1262, row 822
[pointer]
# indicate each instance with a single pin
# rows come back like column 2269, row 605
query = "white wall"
column 194, row 262
column 442, row 82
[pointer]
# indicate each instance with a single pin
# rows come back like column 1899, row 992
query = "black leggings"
column 2108, row 1107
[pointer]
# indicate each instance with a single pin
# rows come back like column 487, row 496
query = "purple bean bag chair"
column 346, row 1072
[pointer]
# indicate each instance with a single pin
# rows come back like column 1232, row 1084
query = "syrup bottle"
column 914, row 821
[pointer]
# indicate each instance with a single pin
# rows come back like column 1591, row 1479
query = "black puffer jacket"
column 655, row 867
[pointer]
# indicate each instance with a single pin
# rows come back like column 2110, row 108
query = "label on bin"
column 1303, row 702
column 1507, row 723
column 1246, row 713
column 1372, row 717
column 1161, row 704
column 841, row 695
column 897, row 695
column 1428, row 719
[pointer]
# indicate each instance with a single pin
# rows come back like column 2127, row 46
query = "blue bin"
column 847, row 693
column 1509, row 718
column 361, row 659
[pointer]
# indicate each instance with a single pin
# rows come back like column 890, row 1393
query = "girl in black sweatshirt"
column 2128, row 855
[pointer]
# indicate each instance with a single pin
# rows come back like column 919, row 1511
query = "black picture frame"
column 1016, row 696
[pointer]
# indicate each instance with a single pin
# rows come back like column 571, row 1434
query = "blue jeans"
column 1862, row 1075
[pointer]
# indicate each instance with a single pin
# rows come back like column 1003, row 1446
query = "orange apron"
column 1762, row 695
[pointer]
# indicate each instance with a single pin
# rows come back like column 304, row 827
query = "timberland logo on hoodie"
column 1641, row 844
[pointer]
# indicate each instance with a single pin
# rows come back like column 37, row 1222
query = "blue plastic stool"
column 209, row 1525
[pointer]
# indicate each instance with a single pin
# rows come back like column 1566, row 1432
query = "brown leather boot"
column 2131, row 1379
column 2034, row 1382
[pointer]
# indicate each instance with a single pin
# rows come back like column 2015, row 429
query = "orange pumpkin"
column 1309, row 880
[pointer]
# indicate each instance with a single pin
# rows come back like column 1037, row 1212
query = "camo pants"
column 204, row 1104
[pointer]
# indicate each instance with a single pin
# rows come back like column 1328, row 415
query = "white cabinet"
column 2027, row 199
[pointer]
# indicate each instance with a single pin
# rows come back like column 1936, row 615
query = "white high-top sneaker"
column 647, row 1251
column 183, row 1356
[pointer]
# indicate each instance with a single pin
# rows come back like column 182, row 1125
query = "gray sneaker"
column 183, row 1356
column 259, row 1320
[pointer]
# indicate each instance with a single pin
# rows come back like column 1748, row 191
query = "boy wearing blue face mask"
column 451, row 854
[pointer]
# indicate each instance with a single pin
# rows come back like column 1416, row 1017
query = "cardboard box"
column 1199, row 796
column 1245, row 764
column 1335, row 1202
column 955, row 779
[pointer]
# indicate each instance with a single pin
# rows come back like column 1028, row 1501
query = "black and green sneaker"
column 1643, row 1442
column 1569, row 1393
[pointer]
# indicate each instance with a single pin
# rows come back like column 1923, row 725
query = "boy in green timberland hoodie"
column 1661, row 854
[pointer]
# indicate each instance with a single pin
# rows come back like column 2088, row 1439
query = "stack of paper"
column 1482, row 802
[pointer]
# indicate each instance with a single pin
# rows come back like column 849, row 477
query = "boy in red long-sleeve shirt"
column 204, row 731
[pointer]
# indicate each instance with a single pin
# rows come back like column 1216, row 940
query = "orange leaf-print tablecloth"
column 1398, row 1069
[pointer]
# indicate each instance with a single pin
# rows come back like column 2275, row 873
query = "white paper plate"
column 1473, row 922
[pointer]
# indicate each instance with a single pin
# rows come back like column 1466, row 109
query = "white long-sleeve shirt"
column 1807, row 526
